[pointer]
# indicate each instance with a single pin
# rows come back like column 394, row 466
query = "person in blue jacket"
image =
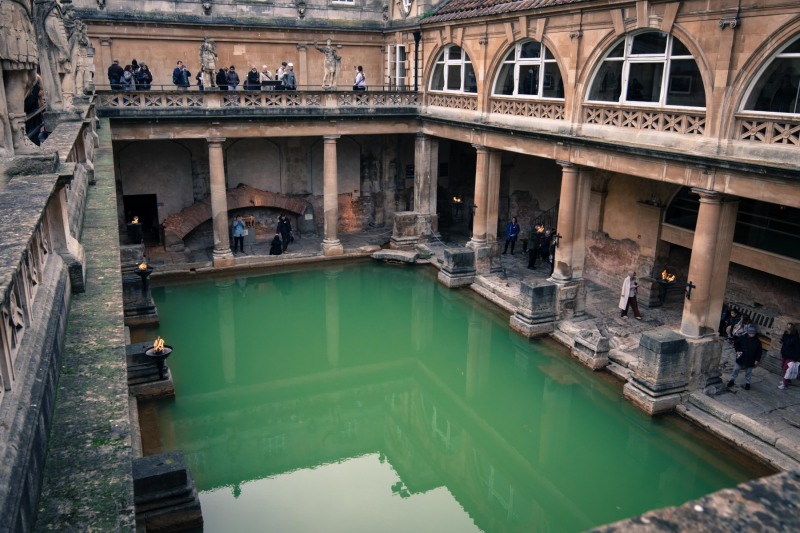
column 512, row 232
column 238, row 234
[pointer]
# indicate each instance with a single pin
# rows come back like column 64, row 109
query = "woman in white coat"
column 627, row 298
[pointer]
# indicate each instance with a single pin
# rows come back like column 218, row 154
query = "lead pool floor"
column 366, row 397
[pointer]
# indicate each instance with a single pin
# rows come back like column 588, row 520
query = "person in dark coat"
column 115, row 72
column 222, row 80
column 534, row 245
column 790, row 352
column 512, row 232
column 285, row 229
column 748, row 355
column 275, row 247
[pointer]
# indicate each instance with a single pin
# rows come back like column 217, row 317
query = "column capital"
column 709, row 197
column 567, row 164
column 215, row 140
column 481, row 148
column 330, row 138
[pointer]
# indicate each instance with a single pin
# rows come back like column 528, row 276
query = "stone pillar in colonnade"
column 708, row 277
column 708, row 266
column 422, row 223
column 330, row 201
column 484, row 222
column 570, row 252
column 222, row 255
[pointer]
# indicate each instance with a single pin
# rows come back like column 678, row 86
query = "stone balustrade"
column 767, row 129
column 646, row 118
column 527, row 108
column 279, row 102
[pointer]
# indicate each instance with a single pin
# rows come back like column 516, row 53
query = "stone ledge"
column 754, row 428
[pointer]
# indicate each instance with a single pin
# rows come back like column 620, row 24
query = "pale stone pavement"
column 761, row 420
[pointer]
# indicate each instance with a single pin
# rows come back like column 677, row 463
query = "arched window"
column 778, row 87
column 453, row 72
column 529, row 70
column 634, row 72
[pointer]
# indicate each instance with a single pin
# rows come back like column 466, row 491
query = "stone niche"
column 662, row 374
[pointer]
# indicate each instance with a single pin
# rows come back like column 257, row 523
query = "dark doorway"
column 145, row 207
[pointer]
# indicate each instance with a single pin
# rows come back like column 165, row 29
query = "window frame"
column 545, row 58
column 628, row 58
column 444, row 62
column 780, row 54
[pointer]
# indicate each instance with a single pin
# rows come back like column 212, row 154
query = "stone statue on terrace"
column 208, row 60
column 18, row 59
column 332, row 64
column 54, row 50
column 78, row 36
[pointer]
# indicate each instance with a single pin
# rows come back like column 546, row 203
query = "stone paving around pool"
column 763, row 421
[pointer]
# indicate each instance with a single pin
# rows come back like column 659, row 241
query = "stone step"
column 746, row 440
column 493, row 295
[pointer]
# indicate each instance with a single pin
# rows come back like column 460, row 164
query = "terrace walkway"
column 763, row 421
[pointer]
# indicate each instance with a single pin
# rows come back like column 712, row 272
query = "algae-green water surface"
column 367, row 397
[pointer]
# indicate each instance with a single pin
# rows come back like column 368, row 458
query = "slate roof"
column 463, row 9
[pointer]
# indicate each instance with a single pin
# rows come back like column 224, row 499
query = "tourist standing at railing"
column 128, row 83
column 279, row 74
column 222, row 79
column 200, row 78
column 115, row 72
column 252, row 82
column 233, row 78
column 289, row 80
column 181, row 76
column 144, row 78
column 264, row 77
column 360, row 81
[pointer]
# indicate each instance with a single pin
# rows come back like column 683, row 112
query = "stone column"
column 484, row 222
column 708, row 267
column 582, row 201
column 422, row 174
column 567, row 212
column 479, row 216
column 222, row 255
column 330, row 191
column 493, row 196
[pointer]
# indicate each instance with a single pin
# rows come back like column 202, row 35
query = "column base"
column 222, row 258
column 332, row 247
column 652, row 405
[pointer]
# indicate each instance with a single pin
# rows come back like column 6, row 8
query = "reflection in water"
column 374, row 400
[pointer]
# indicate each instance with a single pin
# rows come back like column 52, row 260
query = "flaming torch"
column 143, row 270
column 666, row 276
column 664, row 283
column 159, row 353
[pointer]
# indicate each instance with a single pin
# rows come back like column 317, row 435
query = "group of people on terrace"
column 135, row 76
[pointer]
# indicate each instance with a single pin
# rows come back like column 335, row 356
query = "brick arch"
column 178, row 225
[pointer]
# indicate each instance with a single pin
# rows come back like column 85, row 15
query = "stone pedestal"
column 591, row 349
column 536, row 314
column 138, row 305
column 649, row 294
column 458, row 269
column 411, row 228
column 704, row 358
column 570, row 299
column 164, row 493
column 144, row 379
column 662, row 375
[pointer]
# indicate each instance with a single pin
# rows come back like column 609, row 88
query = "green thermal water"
column 370, row 398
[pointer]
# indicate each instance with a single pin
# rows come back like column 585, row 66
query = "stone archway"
column 178, row 225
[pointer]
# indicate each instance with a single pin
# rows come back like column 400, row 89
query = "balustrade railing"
column 768, row 129
column 527, row 108
column 682, row 122
column 454, row 101
column 316, row 99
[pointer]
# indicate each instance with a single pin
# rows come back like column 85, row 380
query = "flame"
column 143, row 266
column 539, row 229
column 158, row 345
column 457, row 199
column 666, row 276
column 135, row 220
